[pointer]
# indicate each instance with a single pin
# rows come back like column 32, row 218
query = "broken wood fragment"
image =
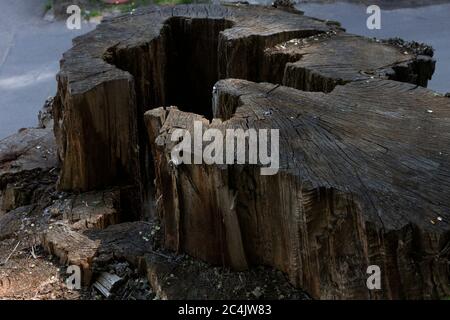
column 27, row 150
column 25, row 157
column 71, row 247
column 86, row 248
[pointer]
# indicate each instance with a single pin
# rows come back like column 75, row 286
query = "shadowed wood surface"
column 93, row 210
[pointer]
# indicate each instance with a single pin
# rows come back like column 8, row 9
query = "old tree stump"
column 364, row 170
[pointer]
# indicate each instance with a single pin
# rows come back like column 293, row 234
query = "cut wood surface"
column 71, row 247
column 321, row 62
column 364, row 180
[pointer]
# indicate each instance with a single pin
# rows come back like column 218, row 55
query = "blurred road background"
column 30, row 50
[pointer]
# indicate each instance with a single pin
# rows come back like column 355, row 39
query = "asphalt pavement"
column 30, row 50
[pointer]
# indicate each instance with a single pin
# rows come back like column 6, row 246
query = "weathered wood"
column 45, row 117
column 321, row 62
column 12, row 222
column 157, row 56
column 171, row 56
column 71, row 247
column 363, row 180
column 27, row 150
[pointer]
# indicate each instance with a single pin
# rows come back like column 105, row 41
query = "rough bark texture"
column 363, row 181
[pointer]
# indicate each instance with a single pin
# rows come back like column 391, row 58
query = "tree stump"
column 364, row 162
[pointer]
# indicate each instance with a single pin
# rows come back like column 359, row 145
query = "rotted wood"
column 175, row 277
column 88, row 233
column 363, row 181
